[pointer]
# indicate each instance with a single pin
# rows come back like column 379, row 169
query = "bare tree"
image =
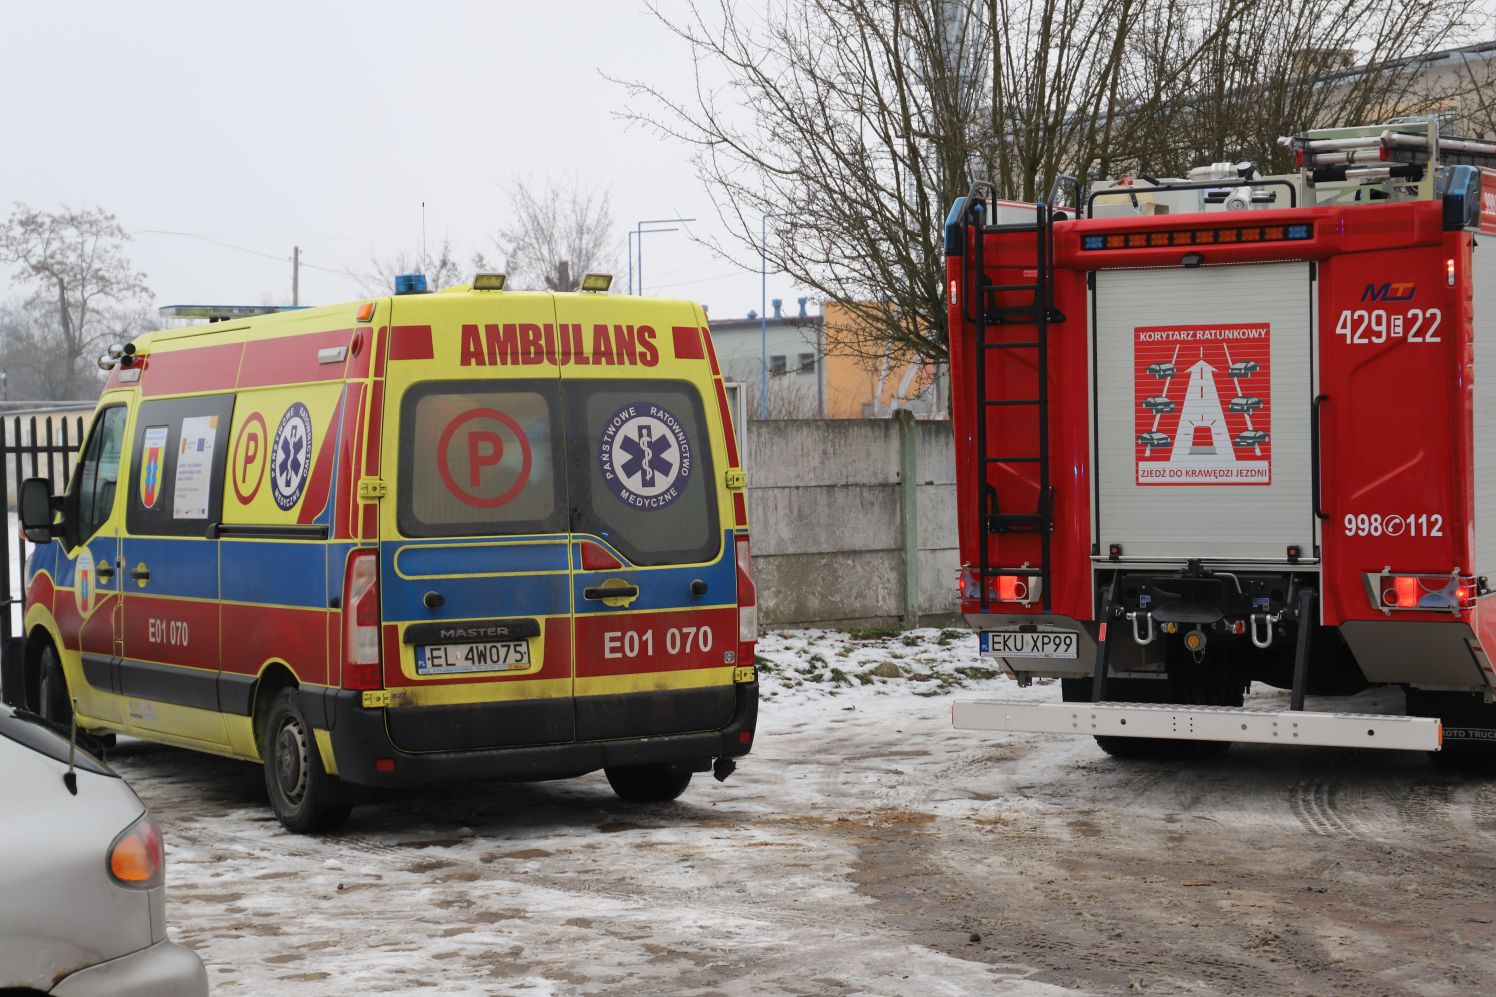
column 82, row 284
column 834, row 134
column 560, row 231
column 1284, row 66
column 439, row 264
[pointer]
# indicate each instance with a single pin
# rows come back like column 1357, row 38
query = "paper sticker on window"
column 153, row 462
column 1202, row 405
column 645, row 456
column 191, row 490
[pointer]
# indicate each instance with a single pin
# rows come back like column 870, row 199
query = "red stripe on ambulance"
column 637, row 643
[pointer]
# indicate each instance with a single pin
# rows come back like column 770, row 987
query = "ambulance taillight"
column 747, row 603
column 361, row 622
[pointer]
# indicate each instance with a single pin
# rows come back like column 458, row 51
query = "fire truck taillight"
column 1022, row 589
column 1393, row 592
column 361, row 621
column 1449, row 272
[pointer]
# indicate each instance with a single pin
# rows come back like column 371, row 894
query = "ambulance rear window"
column 641, row 469
column 480, row 460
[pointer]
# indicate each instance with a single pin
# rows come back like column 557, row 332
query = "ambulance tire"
column 53, row 702
column 648, row 783
column 303, row 796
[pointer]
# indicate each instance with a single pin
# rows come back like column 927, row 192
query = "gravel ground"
column 864, row 847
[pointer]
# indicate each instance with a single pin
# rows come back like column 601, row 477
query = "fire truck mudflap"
column 1221, row 430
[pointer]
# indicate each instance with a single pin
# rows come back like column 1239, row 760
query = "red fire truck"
column 1229, row 429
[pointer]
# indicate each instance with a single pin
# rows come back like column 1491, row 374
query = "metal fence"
column 35, row 446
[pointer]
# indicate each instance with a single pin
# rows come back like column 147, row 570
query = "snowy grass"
column 817, row 664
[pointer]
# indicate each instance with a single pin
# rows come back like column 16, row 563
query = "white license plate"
column 1029, row 643
column 484, row 656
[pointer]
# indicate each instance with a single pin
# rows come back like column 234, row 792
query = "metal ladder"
column 981, row 312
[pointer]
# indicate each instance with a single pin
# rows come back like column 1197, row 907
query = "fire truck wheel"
column 1469, row 729
column 303, row 796
column 648, row 783
column 52, row 696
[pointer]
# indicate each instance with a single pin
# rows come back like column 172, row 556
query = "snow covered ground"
column 863, row 847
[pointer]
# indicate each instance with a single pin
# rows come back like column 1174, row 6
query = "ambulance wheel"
column 303, row 796
column 52, row 694
column 648, row 783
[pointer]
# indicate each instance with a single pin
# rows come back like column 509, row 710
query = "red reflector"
column 595, row 558
column 1012, row 588
column 360, row 676
column 384, row 765
column 745, row 737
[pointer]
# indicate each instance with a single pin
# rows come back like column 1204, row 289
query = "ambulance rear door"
column 654, row 583
column 1204, row 384
column 474, row 597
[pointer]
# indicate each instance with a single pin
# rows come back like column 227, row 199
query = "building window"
column 807, row 363
column 777, row 364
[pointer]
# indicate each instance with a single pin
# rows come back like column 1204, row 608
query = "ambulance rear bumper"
column 1203, row 723
column 360, row 739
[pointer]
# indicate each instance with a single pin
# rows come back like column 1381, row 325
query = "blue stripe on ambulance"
column 664, row 587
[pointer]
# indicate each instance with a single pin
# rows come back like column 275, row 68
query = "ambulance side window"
column 480, row 459
column 98, row 474
column 640, row 469
column 177, row 466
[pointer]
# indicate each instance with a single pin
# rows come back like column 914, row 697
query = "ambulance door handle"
column 103, row 571
column 140, row 573
column 1319, row 400
column 610, row 592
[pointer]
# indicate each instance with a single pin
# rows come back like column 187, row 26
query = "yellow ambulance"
column 469, row 534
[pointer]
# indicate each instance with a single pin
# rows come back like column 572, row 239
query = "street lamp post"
column 763, row 309
column 636, row 241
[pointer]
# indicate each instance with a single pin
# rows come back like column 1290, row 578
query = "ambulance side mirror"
column 36, row 507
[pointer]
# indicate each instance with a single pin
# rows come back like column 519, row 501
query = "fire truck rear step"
column 1203, row 723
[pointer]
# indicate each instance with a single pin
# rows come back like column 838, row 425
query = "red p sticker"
column 482, row 442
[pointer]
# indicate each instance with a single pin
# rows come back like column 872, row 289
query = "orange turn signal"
column 366, row 311
column 137, row 858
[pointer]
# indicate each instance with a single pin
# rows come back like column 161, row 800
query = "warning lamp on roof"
column 597, row 283
column 488, row 282
column 410, row 283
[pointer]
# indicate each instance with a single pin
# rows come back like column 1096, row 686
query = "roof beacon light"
column 488, row 282
column 597, row 283
column 410, row 283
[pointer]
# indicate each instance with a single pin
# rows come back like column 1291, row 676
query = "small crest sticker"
column 152, row 456
column 83, row 582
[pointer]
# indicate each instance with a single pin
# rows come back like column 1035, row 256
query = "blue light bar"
column 410, row 283
column 1093, row 242
column 1300, row 231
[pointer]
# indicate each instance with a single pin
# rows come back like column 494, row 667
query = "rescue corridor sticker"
column 1202, row 405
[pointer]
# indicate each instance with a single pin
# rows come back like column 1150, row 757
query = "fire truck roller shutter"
column 1223, row 471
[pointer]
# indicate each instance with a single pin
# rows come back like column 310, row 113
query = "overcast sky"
column 258, row 126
